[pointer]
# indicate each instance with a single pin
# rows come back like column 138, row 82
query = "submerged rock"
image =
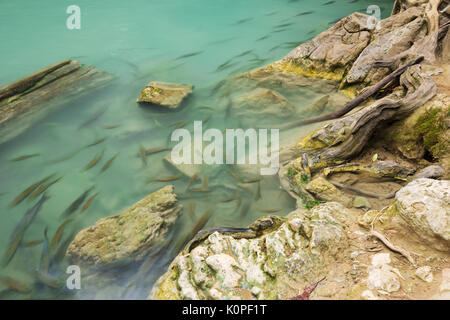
column 262, row 102
column 126, row 237
column 165, row 94
column 28, row 100
column 425, row 206
column 299, row 251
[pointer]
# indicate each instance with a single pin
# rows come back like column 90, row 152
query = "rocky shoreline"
column 377, row 170
column 340, row 239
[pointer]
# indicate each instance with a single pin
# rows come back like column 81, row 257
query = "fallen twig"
column 393, row 247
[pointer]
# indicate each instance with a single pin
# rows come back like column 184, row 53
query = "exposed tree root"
column 358, row 100
column 393, row 247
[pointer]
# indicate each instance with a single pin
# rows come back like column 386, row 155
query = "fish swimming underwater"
column 24, row 157
column 77, row 203
column 24, row 194
column 94, row 161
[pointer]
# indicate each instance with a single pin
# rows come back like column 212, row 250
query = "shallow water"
column 138, row 41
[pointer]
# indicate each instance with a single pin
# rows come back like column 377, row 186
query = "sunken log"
column 27, row 100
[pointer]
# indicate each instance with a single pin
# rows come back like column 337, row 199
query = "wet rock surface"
column 169, row 95
column 265, row 267
column 126, row 237
column 24, row 102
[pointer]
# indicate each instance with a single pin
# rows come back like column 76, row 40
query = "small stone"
column 354, row 255
column 361, row 202
column 425, row 273
column 380, row 259
column 165, row 94
column 383, row 280
column 368, row 295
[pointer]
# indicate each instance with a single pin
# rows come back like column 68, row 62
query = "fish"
column 44, row 263
column 205, row 182
column 43, row 188
column 167, row 179
column 77, row 203
column 271, row 210
column 62, row 249
column 263, row 37
column 65, row 157
column 176, row 123
column 239, row 201
column 188, row 55
column 228, row 199
column 243, row 54
column 48, row 280
column 235, row 175
column 191, row 209
column 192, row 180
column 24, row 194
column 245, row 209
column 89, row 202
column 307, row 291
column 143, row 155
column 109, row 163
column 284, row 25
column 94, row 118
column 200, row 190
column 96, row 142
column 33, row 243
column 271, row 13
column 252, row 180
column 243, row 21
column 27, row 156
column 13, row 246
column 304, row 13
column 226, row 65
column 15, row 285
column 94, row 161
column 258, row 192
column 206, row 108
column 112, row 126
column 58, row 234
column 328, row 3
column 29, row 216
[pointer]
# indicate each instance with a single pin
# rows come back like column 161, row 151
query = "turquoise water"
column 137, row 42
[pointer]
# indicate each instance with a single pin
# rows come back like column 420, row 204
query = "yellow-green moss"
column 301, row 68
column 431, row 126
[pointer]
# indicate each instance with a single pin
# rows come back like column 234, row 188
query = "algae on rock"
column 127, row 236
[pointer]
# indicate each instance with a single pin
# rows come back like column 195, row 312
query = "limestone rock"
column 262, row 102
column 324, row 190
column 165, row 94
column 361, row 202
column 331, row 53
column 425, row 206
column 265, row 267
column 126, row 237
column 425, row 273
column 390, row 39
column 431, row 172
column 382, row 276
